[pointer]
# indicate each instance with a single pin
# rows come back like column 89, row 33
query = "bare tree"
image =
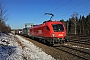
column 3, row 18
column 3, row 15
column 74, row 16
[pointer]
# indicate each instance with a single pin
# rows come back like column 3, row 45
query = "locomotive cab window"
column 57, row 27
column 47, row 28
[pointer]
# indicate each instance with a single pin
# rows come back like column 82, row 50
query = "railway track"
column 86, row 42
column 80, row 54
column 80, row 39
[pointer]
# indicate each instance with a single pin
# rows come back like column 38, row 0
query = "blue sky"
column 32, row 11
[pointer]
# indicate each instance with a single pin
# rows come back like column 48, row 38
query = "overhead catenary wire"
column 72, row 9
column 61, row 5
column 87, row 11
column 54, row 9
column 65, row 10
column 42, row 15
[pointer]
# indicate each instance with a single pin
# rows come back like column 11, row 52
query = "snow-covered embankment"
column 34, row 52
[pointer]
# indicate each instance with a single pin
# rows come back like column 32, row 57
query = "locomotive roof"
column 46, row 23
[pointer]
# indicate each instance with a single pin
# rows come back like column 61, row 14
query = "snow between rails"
column 34, row 52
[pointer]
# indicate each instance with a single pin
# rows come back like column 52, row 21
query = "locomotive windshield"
column 57, row 27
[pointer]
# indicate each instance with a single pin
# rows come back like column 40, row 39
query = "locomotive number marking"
column 60, row 35
column 39, row 31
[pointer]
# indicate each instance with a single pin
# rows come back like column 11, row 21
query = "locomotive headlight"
column 53, row 34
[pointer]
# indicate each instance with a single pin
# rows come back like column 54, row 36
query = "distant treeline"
column 78, row 25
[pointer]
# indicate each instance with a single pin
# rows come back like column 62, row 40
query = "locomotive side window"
column 57, row 27
column 47, row 28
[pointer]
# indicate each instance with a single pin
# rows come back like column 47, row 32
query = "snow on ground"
column 10, row 49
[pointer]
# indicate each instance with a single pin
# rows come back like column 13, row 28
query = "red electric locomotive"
column 51, row 32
